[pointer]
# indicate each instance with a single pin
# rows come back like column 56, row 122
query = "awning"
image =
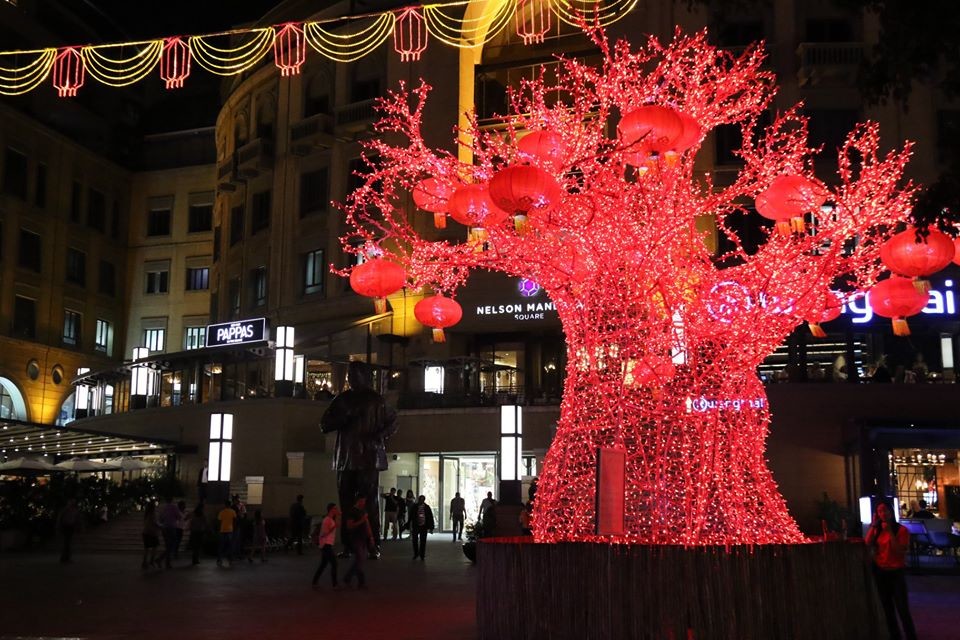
column 18, row 438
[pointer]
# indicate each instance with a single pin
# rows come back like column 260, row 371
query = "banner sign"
column 239, row 332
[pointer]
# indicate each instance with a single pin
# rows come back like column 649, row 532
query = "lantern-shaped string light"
column 174, row 62
column 433, row 195
column 438, row 312
column 471, row 205
column 410, row 34
column 533, row 20
column 787, row 199
column 544, row 149
column 833, row 305
column 897, row 298
column 377, row 279
column 68, row 72
column 908, row 255
column 289, row 49
column 523, row 190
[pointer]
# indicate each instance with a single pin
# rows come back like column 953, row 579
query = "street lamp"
column 511, row 453
column 283, row 370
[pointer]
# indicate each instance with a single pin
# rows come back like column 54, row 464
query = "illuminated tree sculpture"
column 663, row 334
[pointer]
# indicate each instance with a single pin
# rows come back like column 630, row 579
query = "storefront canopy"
column 19, row 438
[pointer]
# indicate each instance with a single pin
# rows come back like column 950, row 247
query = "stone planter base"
column 582, row 590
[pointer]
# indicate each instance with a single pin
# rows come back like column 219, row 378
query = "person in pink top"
column 326, row 535
column 890, row 542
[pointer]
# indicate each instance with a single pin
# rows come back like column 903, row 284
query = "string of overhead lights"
column 341, row 39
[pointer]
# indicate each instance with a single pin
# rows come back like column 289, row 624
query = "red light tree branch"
column 663, row 337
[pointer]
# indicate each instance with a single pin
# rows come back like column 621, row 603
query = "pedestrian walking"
column 390, row 510
column 485, row 505
column 458, row 512
column 890, row 541
column 326, row 535
column 421, row 522
column 259, row 542
column 68, row 522
column 169, row 527
column 227, row 518
column 183, row 524
column 361, row 541
column 198, row 527
column 151, row 536
column 401, row 513
column 202, row 482
column 298, row 518
column 409, row 502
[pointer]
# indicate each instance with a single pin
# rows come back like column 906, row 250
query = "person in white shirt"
column 326, row 535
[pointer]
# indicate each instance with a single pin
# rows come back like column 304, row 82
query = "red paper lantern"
column 377, row 278
column 410, row 34
column 787, row 199
column 544, row 149
column 174, row 62
column 68, row 72
column 650, row 129
column 289, row 49
column 904, row 255
column 471, row 205
column 523, row 190
column 438, row 312
column 688, row 137
column 897, row 298
column 433, row 195
column 956, row 254
column 833, row 305
column 533, row 18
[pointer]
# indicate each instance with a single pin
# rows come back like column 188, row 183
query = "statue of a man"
column 363, row 423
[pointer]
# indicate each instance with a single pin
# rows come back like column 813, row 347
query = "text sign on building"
column 239, row 332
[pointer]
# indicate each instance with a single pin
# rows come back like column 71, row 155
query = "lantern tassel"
column 440, row 220
column 521, row 224
column 921, row 285
column 817, row 330
column 672, row 158
column 438, row 335
column 900, row 327
column 380, row 305
column 797, row 224
column 784, row 227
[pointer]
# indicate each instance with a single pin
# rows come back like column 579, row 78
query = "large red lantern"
column 649, row 129
column 438, row 312
column 523, row 190
column 832, row 306
column 897, row 298
column 289, row 49
column 472, row 206
column 410, row 34
column 906, row 255
column 433, row 195
column 544, row 149
column 377, row 278
column 174, row 62
column 689, row 136
column 68, row 72
column 956, row 254
column 787, row 199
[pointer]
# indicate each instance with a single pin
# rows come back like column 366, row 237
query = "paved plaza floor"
column 108, row 597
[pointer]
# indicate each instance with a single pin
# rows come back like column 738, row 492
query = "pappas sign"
column 239, row 332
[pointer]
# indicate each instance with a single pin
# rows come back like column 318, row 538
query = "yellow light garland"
column 347, row 47
column 570, row 11
column 232, row 60
column 120, row 72
column 18, row 80
column 465, row 33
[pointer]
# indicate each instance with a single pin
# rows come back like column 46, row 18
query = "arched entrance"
column 12, row 405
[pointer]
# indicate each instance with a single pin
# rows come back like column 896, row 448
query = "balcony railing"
column 356, row 114
column 832, row 61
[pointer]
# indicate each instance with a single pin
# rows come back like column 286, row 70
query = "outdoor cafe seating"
column 931, row 537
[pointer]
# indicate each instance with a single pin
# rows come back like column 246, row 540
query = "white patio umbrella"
column 126, row 463
column 82, row 465
column 28, row 465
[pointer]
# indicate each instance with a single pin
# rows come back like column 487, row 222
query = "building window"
column 103, row 339
column 433, row 379
column 71, row 328
column 194, row 338
column 108, row 279
column 729, row 140
column 829, row 30
column 216, row 244
column 260, row 216
column 115, row 220
column 30, row 251
column 236, row 225
column 15, row 174
column 200, row 214
column 153, row 338
column 76, row 267
column 159, row 213
column 314, row 192
column 313, row 272
column 198, row 279
column 96, row 210
column 40, row 189
column 157, row 279
column 258, row 286
column 76, row 202
column 24, row 317
column 829, row 128
column 233, row 294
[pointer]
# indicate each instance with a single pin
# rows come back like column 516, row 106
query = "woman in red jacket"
column 890, row 543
